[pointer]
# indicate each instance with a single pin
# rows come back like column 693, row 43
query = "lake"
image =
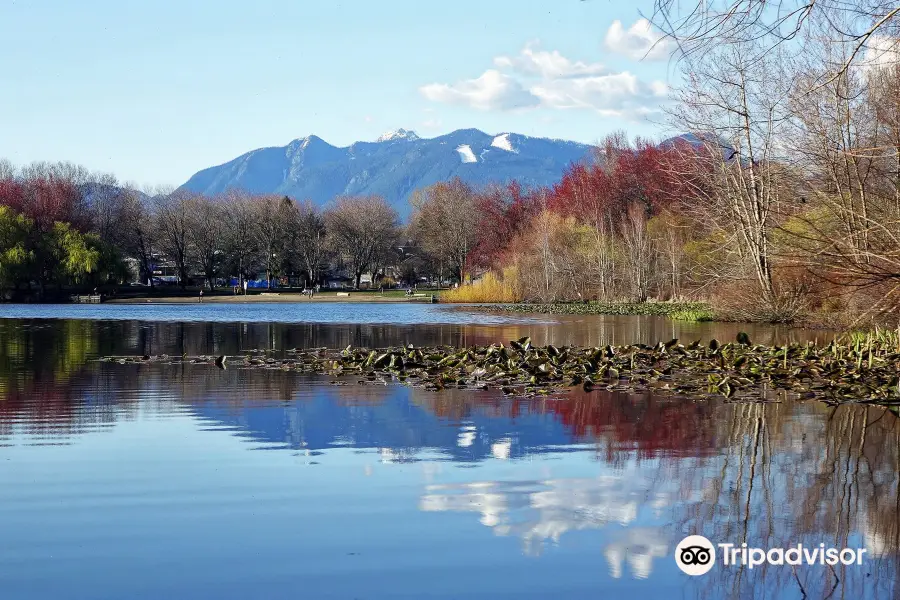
column 185, row 481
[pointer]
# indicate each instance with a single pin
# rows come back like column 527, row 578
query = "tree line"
column 783, row 198
column 62, row 226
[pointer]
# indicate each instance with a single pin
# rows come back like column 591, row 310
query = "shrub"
column 793, row 290
column 490, row 288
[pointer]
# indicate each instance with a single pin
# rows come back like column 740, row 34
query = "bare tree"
column 738, row 104
column 445, row 222
column 361, row 229
column 105, row 202
column 269, row 228
column 670, row 234
column 7, row 169
column 638, row 247
column 172, row 220
column 306, row 228
column 847, row 142
column 205, row 227
column 239, row 235
column 698, row 26
column 138, row 232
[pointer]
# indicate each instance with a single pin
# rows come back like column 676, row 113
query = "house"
column 338, row 282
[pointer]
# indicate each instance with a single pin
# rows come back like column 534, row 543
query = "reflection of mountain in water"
column 394, row 424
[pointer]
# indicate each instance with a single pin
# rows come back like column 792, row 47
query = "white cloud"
column 614, row 95
column 540, row 78
column 640, row 41
column 549, row 65
column 492, row 91
column 881, row 51
column 432, row 123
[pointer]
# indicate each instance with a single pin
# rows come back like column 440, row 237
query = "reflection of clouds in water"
column 430, row 470
column 878, row 545
column 388, row 455
column 542, row 511
column 501, row 449
column 638, row 547
column 467, row 435
column 397, row 455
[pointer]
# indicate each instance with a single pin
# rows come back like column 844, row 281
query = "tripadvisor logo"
column 696, row 555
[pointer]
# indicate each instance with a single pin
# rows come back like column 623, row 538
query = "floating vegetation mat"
column 862, row 371
column 661, row 309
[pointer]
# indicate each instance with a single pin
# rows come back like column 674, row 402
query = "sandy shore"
column 269, row 297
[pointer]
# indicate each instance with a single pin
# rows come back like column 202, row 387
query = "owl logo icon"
column 695, row 555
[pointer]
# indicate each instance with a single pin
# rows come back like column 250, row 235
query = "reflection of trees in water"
column 647, row 424
column 768, row 474
column 41, row 359
column 783, row 474
column 801, row 473
column 34, row 350
column 133, row 337
column 40, row 364
column 855, row 483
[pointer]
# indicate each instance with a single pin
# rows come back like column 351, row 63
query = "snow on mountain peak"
column 465, row 154
column 502, row 142
column 398, row 134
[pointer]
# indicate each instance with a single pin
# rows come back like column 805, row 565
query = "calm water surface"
column 161, row 481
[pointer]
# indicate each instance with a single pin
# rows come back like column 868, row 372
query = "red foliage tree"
column 624, row 175
column 12, row 193
column 46, row 199
column 504, row 212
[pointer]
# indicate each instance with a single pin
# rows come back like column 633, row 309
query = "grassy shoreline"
column 392, row 296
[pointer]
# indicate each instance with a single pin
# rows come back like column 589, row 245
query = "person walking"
column 201, row 295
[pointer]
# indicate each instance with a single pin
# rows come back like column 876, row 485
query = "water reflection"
column 541, row 512
column 638, row 547
column 73, row 341
column 574, row 497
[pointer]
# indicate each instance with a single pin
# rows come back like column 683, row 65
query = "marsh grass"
column 877, row 338
column 695, row 315
column 490, row 288
column 660, row 309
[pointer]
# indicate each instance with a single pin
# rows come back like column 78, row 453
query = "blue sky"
column 154, row 91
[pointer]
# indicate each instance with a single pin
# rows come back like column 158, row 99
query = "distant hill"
column 700, row 140
column 393, row 166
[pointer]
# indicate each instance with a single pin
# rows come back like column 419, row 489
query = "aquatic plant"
column 692, row 314
column 842, row 371
column 661, row 309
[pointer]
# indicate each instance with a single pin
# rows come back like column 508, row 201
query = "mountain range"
column 393, row 166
